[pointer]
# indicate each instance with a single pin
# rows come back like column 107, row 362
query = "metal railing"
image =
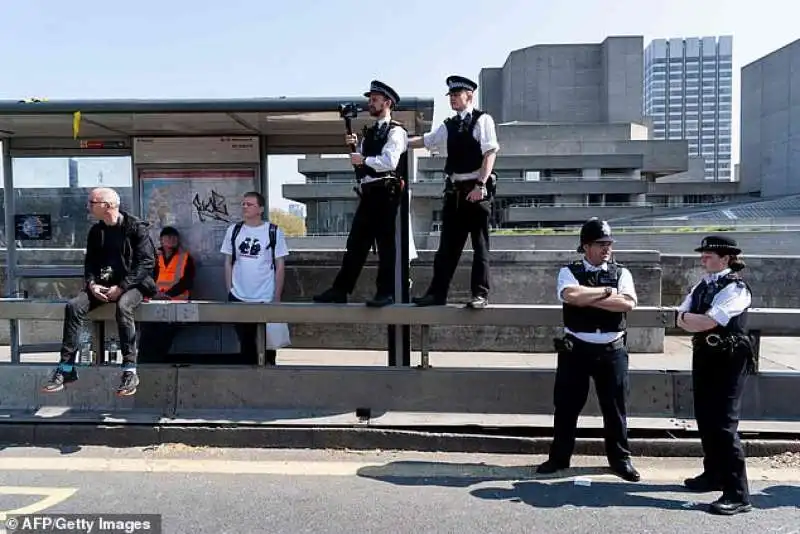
column 762, row 321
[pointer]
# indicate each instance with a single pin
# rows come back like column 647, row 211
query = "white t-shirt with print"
column 253, row 278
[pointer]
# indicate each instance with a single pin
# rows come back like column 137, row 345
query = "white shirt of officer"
column 731, row 301
column 389, row 158
column 484, row 132
column 625, row 286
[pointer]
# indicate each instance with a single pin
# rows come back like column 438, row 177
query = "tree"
column 292, row 225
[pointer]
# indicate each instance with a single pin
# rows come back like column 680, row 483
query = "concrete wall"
column 770, row 122
column 575, row 83
column 753, row 243
column 623, row 78
column 490, row 91
column 773, row 279
column 517, row 278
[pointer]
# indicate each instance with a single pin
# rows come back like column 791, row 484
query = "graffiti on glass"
column 212, row 208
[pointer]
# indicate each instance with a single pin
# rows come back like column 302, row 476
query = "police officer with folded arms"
column 596, row 293
column 470, row 140
column 715, row 312
column 382, row 150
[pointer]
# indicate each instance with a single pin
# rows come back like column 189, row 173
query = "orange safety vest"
column 169, row 275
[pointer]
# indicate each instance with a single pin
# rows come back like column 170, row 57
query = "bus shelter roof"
column 290, row 125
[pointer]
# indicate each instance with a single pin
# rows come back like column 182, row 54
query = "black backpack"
column 273, row 230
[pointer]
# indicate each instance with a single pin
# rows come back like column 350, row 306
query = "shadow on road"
column 610, row 494
column 552, row 491
column 63, row 449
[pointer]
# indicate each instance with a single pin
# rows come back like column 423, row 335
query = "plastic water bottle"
column 85, row 351
column 111, row 351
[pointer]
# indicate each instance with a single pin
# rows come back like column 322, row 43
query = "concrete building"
column 567, row 83
column 770, row 125
column 688, row 95
column 574, row 144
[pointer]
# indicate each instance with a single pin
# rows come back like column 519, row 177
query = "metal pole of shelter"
column 400, row 335
column 11, row 244
column 263, row 188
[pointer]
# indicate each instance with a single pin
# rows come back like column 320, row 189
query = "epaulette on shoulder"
column 397, row 123
column 733, row 278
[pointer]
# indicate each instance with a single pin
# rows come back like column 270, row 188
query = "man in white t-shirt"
column 251, row 247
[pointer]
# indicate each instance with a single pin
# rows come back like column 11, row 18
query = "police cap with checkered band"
column 377, row 86
column 720, row 244
column 459, row 83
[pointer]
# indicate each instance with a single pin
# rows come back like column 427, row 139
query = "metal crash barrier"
column 397, row 395
column 762, row 321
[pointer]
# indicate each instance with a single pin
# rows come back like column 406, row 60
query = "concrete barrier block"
column 95, row 390
column 330, row 391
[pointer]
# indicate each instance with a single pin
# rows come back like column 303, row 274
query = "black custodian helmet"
column 595, row 230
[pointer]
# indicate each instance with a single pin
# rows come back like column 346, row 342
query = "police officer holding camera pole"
column 470, row 140
column 382, row 150
column 715, row 312
column 596, row 293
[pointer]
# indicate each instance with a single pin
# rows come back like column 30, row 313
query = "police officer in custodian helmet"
column 715, row 312
column 596, row 293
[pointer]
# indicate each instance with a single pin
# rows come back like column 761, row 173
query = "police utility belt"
column 569, row 343
column 719, row 342
column 465, row 186
column 390, row 182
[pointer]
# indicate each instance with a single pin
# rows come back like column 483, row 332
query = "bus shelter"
column 191, row 162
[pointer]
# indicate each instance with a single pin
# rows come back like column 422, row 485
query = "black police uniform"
column 604, row 362
column 374, row 221
column 721, row 360
column 460, row 217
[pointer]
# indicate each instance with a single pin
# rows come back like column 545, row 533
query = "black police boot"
column 428, row 300
column 551, row 466
column 728, row 506
column 332, row 295
column 379, row 301
column 625, row 470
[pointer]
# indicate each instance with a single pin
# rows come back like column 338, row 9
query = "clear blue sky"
column 249, row 48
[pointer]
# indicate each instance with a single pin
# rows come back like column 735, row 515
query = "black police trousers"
column 607, row 365
column 374, row 222
column 718, row 379
column 462, row 218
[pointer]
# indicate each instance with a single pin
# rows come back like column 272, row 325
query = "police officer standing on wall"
column 382, row 150
column 596, row 293
column 470, row 141
column 715, row 312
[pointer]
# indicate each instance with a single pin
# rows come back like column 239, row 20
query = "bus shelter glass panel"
column 201, row 204
column 52, row 222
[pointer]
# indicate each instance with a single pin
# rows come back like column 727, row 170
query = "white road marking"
column 52, row 496
column 351, row 468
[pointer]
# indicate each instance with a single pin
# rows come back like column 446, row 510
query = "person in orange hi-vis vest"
column 174, row 268
column 174, row 275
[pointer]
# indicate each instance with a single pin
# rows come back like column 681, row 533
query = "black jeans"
column 248, row 346
column 718, row 380
column 374, row 222
column 609, row 368
column 462, row 218
column 75, row 318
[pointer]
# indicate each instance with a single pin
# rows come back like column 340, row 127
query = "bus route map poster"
column 201, row 204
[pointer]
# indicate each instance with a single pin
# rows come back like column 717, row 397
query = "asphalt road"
column 228, row 491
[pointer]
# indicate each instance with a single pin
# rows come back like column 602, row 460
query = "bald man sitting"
column 118, row 266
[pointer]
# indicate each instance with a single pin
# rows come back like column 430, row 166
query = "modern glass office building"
column 687, row 95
